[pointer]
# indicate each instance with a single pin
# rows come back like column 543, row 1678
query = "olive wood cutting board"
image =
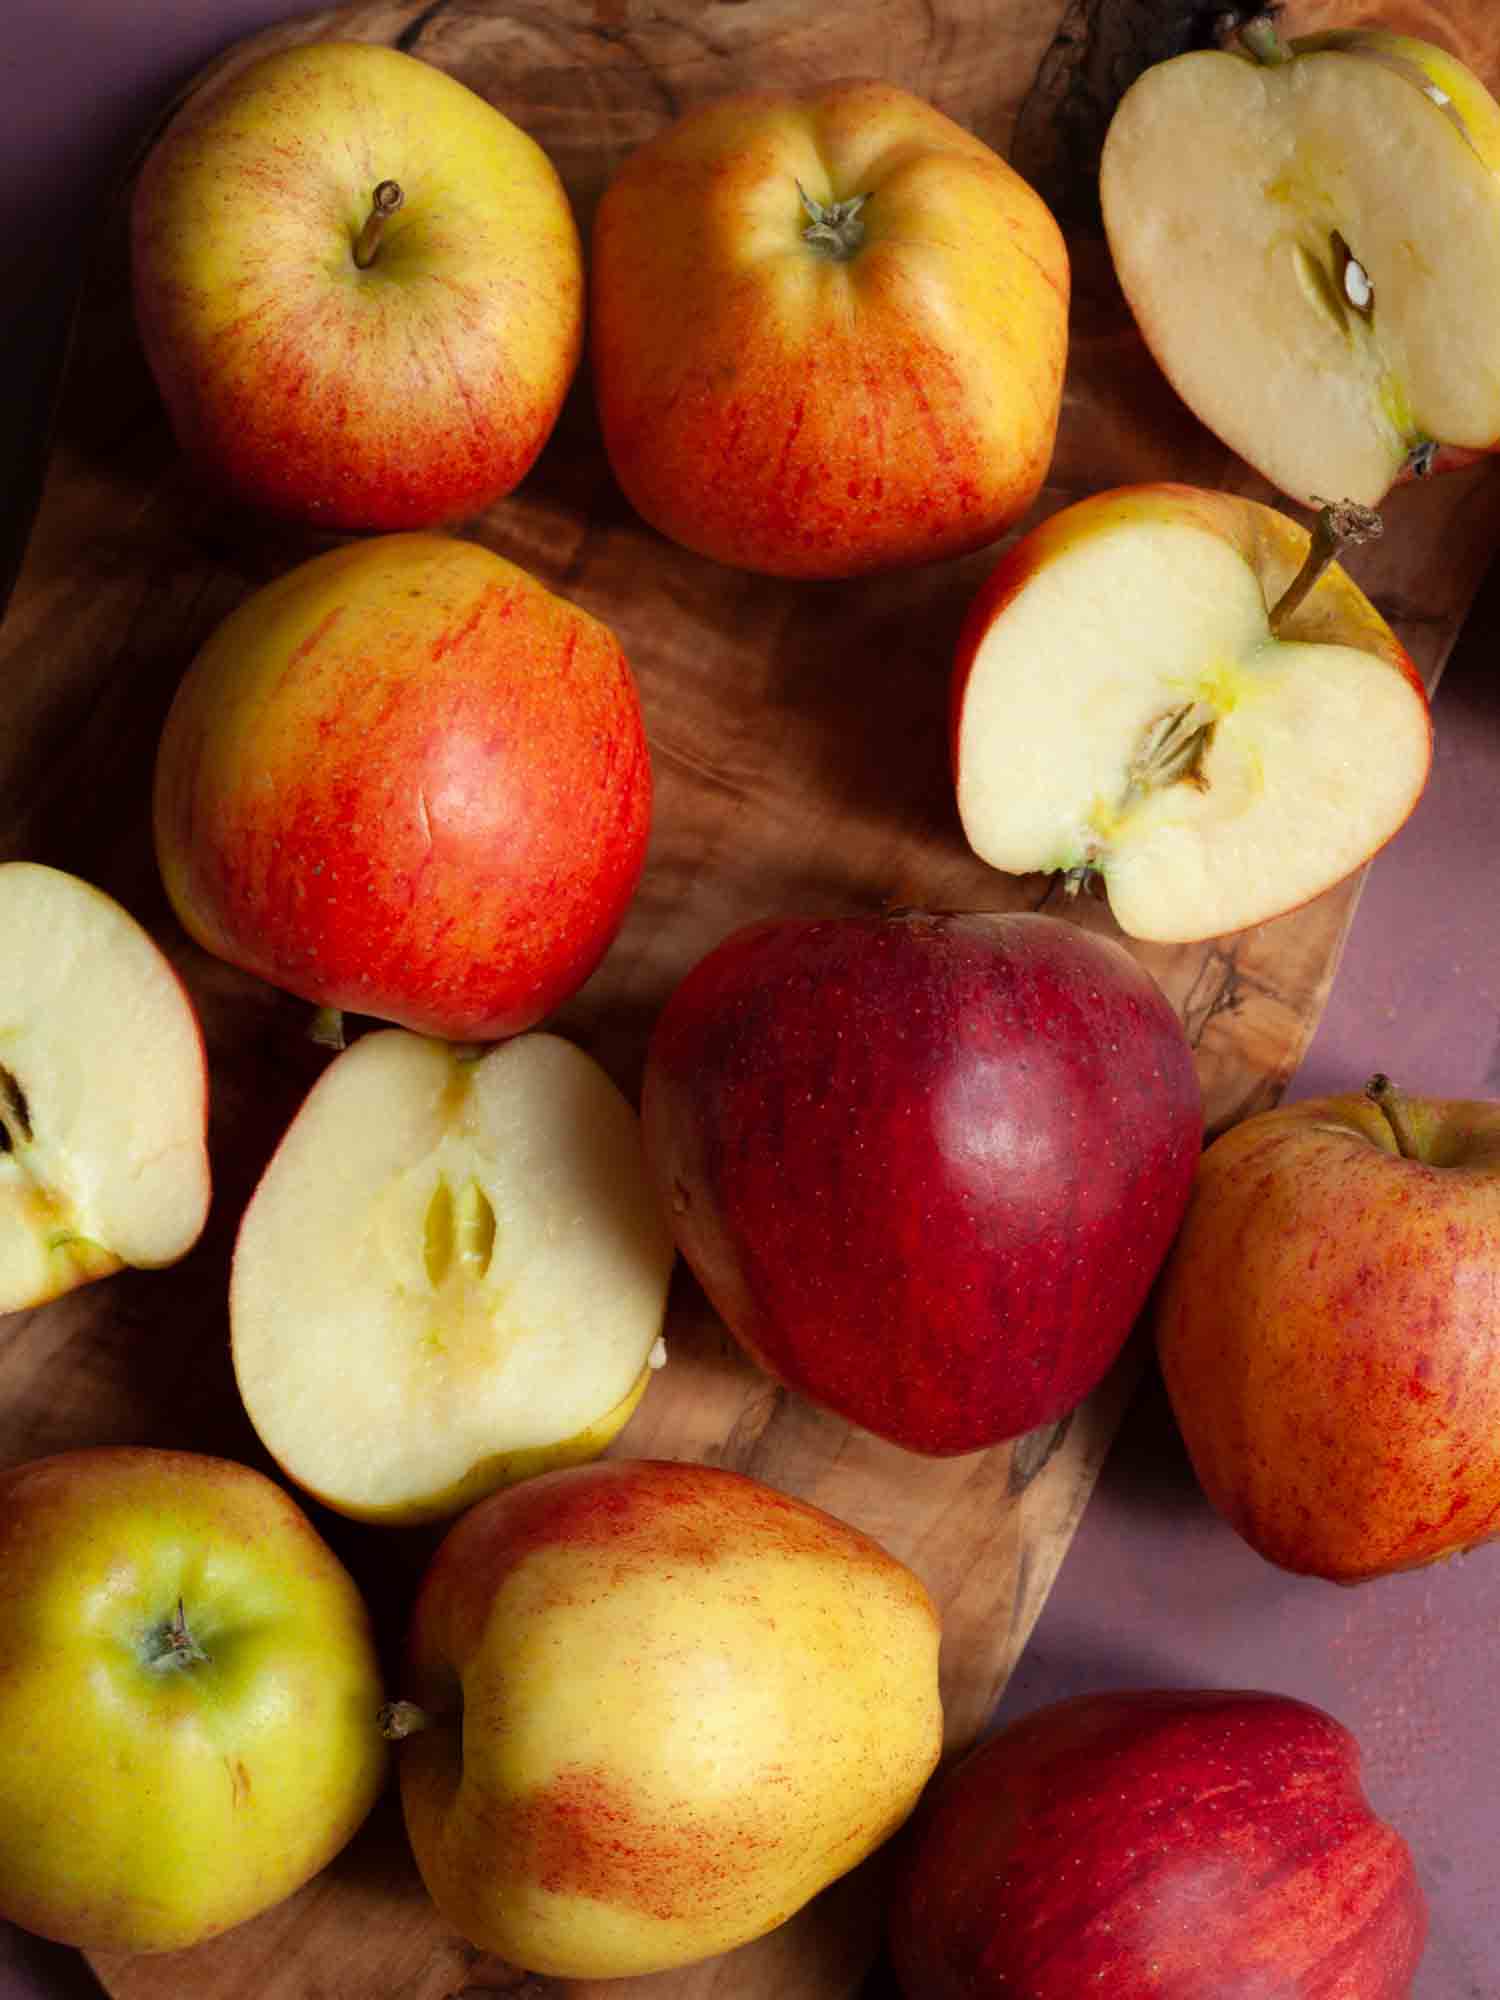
column 798, row 737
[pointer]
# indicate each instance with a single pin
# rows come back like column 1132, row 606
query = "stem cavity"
column 834, row 227
column 384, row 202
column 1340, row 524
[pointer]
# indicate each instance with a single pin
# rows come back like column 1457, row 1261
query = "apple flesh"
column 1129, row 701
column 453, row 1274
column 406, row 780
column 1321, row 293
column 1328, row 1334
column 103, row 1092
column 924, row 1166
column 336, row 352
column 654, row 1709
column 827, row 332
column 189, row 1698
column 1156, row 1845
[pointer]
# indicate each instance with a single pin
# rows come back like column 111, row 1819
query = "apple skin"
column 410, row 393
column 145, row 1808
column 924, row 1166
column 664, row 1706
column 801, row 415
column 1328, row 1325
column 1158, row 1845
column 405, row 780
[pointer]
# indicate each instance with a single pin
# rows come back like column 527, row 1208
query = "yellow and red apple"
column 359, row 287
column 827, row 332
column 1139, row 695
column 407, row 780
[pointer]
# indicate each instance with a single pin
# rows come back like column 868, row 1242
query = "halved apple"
column 103, row 1091
column 1308, row 235
column 1123, row 706
column 452, row 1275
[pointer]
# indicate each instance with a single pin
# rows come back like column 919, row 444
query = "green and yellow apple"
column 359, row 287
column 1321, row 290
column 653, row 1709
column 1165, row 687
column 407, row 780
column 103, row 1092
column 189, row 1698
column 827, row 332
column 1329, row 1330
column 452, row 1275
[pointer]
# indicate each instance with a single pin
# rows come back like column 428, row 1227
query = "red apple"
column 359, row 288
column 1158, row 1846
column 406, row 780
column 827, row 332
column 1328, row 1331
column 925, row 1166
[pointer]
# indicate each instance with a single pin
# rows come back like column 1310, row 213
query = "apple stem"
column 1261, row 39
column 399, row 1719
column 1395, row 1107
column 326, row 1028
column 387, row 198
column 835, row 227
column 1340, row 524
column 171, row 1647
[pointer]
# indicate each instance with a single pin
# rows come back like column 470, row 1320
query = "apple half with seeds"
column 1180, row 693
column 103, row 1092
column 452, row 1275
column 1323, row 292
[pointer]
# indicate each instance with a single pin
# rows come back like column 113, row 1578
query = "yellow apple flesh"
column 453, row 1274
column 103, row 1092
column 1322, row 290
column 1122, row 706
column 664, row 1705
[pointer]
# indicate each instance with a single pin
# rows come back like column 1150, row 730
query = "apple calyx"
column 1394, row 1106
column 1340, row 524
column 171, row 1648
column 835, row 227
column 400, row 1719
column 384, row 202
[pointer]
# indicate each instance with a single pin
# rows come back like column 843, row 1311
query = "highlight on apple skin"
column 1328, row 1325
column 406, row 780
column 1179, row 692
column 1157, row 1845
column 925, row 1166
column 359, row 287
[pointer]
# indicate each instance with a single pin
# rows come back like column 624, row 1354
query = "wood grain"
column 798, row 736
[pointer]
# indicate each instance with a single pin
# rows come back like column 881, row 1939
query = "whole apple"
column 827, row 332
column 359, row 288
column 189, row 1698
column 924, row 1166
column 1329, row 1330
column 1158, row 1845
column 1196, row 759
column 655, row 1708
column 407, row 780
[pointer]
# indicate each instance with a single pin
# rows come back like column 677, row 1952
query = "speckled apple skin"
column 925, row 1166
column 408, row 781
column 1158, row 1845
column 1329, row 1332
column 669, row 1704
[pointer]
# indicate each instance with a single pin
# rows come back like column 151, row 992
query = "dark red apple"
column 924, row 1166
column 1158, row 1846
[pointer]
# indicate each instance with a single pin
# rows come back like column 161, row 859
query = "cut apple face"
column 453, row 1274
column 1311, row 249
column 1124, row 708
column 103, row 1092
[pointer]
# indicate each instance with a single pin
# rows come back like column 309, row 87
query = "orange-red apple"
column 827, row 332
column 406, row 780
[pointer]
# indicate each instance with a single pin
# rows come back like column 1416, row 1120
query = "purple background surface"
column 1155, row 1590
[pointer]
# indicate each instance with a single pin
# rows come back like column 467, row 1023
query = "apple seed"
column 15, row 1113
column 1354, row 278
